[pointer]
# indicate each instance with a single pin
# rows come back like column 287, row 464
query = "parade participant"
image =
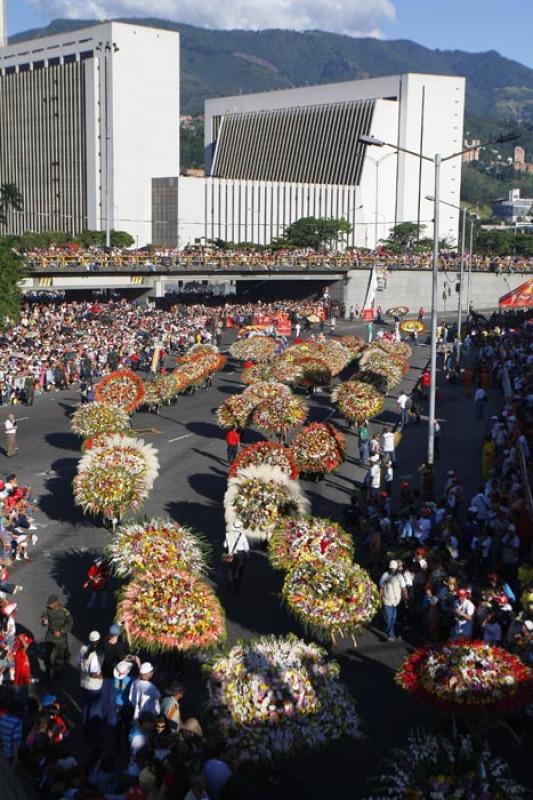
column 393, row 590
column 91, row 680
column 58, row 623
column 22, row 677
column 144, row 695
column 233, row 441
column 236, row 552
column 96, row 583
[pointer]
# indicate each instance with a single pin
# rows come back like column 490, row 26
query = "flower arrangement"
column 333, row 600
column 235, row 412
column 467, row 677
column 110, row 491
column 193, row 369
column 256, row 373
column 273, row 696
column 319, row 448
column 121, row 388
column 390, row 369
column 167, row 610
column 353, row 344
column 205, row 349
column 259, row 496
column 254, row 348
column 100, row 439
column 397, row 311
column 432, row 766
column 180, row 380
column 137, row 549
column 94, row 418
column 134, row 455
column 357, row 401
column 265, row 390
column 334, row 354
column 311, row 540
column 279, row 414
column 312, row 371
column 152, row 395
column 401, row 349
column 271, row 453
column 412, row 326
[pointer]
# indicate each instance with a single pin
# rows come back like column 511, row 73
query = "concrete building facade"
column 274, row 157
column 90, row 117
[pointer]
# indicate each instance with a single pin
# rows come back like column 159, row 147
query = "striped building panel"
column 309, row 144
column 43, row 146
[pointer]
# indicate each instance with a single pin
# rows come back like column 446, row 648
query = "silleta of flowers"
column 259, row 496
column 274, row 696
column 432, row 766
column 92, row 419
column 254, row 348
column 311, row 371
column 357, row 401
column 333, row 599
column 171, row 610
column 354, row 344
column 256, row 372
column 319, row 448
column 121, row 388
column 235, row 412
column 279, row 414
column 401, row 349
column 271, row 453
column 110, row 491
column 137, row 549
column 132, row 454
column 311, row 540
column 467, row 677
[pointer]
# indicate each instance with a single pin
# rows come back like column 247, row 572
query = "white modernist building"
column 89, row 118
column 274, row 157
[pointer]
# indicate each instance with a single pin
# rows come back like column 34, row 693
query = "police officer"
column 58, row 623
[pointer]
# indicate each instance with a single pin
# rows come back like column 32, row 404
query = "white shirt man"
column 392, row 589
column 464, row 611
column 482, row 505
column 144, row 696
column 91, row 665
column 10, row 426
column 387, row 443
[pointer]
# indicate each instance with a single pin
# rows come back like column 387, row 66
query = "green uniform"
column 57, row 621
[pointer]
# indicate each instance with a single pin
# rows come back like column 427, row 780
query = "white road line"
column 181, row 437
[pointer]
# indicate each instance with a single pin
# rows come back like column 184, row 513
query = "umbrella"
column 397, row 311
column 412, row 325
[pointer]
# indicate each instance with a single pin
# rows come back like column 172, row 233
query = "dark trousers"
column 236, row 569
column 232, row 452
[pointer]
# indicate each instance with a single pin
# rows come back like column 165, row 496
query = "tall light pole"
column 105, row 51
column 437, row 162
column 464, row 213
column 377, row 162
column 473, row 219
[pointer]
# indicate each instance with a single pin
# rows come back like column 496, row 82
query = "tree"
column 11, row 273
column 97, row 239
column 10, row 199
column 404, row 236
column 316, row 232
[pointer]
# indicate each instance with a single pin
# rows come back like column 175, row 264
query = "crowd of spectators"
column 55, row 345
column 212, row 259
column 452, row 565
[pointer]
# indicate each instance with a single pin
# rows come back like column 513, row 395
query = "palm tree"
column 10, row 199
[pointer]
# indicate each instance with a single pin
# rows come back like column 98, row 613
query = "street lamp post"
column 470, row 256
column 461, row 269
column 437, row 162
column 377, row 162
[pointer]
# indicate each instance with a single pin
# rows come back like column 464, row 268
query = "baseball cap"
column 122, row 669
column 393, row 564
column 94, row 636
column 114, row 630
column 146, row 668
column 462, row 593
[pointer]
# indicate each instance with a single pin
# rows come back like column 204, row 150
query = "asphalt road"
column 190, row 489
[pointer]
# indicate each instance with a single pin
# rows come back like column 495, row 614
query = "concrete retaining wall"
column 413, row 289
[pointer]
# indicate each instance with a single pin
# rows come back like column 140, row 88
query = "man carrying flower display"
column 233, row 441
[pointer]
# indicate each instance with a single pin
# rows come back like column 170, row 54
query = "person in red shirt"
column 233, row 441
column 97, row 578
column 22, row 679
column 425, row 382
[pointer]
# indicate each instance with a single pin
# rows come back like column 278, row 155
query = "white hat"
column 122, row 669
column 237, row 523
column 94, row 636
column 393, row 564
column 528, row 624
column 146, row 668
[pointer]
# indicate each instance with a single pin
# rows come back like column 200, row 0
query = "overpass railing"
column 126, row 262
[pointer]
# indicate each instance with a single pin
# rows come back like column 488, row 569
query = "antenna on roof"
column 3, row 23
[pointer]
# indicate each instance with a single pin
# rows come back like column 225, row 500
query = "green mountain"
column 217, row 62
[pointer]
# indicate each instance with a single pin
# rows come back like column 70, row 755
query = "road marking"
column 181, row 437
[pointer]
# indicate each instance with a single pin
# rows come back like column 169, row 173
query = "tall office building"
column 88, row 119
column 274, row 157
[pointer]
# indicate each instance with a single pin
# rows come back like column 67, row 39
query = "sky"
column 473, row 25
